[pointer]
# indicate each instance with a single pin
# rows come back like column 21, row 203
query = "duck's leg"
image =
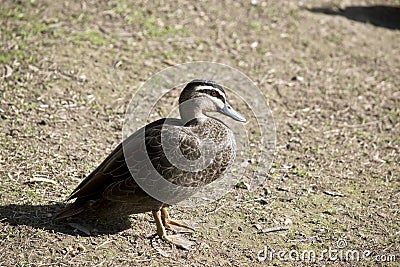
column 177, row 240
column 180, row 226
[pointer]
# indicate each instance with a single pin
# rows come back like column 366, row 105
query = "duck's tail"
column 70, row 210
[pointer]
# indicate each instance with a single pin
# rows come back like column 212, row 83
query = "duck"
column 162, row 164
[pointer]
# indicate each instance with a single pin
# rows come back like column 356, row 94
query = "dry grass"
column 68, row 71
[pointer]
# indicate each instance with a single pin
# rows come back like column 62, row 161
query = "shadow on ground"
column 41, row 217
column 381, row 16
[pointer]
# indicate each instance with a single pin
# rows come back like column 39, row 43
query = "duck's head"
column 201, row 96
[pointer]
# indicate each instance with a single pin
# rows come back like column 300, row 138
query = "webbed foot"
column 177, row 240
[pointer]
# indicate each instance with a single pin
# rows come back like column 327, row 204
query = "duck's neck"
column 189, row 113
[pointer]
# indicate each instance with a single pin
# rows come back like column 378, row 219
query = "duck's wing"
column 114, row 169
column 111, row 170
column 150, row 166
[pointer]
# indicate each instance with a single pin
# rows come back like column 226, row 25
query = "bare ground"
column 329, row 71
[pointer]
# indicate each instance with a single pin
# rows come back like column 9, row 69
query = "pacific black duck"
column 115, row 187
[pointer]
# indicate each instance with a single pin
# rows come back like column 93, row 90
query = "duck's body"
column 119, row 185
column 111, row 190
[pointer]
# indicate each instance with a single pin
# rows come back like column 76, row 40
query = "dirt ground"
column 329, row 71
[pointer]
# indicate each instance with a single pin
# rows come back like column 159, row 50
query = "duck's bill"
column 229, row 111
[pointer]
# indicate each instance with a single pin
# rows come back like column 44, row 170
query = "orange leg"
column 179, row 226
column 177, row 240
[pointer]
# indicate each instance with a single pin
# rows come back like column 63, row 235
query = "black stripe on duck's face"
column 214, row 93
column 193, row 87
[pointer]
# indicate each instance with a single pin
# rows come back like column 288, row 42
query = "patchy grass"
column 69, row 69
column 92, row 37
